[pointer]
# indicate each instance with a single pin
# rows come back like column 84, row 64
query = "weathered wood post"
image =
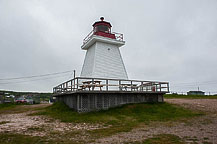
column 106, row 84
column 71, row 85
column 77, row 83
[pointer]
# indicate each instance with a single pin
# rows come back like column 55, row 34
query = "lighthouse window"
column 103, row 28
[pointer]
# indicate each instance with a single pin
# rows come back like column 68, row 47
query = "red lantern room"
column 103, row 28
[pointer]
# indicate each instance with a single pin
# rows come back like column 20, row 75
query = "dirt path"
column 206, row 105
column 199, row 130
column 18, row 120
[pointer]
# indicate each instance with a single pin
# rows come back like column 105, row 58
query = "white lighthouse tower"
column 103, row 58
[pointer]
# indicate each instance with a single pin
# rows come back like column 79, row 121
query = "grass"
column 8, row 106
column 162, row 139
column 205, row 142
column 120, row 119
column 4, row 122
column 190, row 96
column 11, row 108
column 39, row 129
column 13, row 138
column 142, row 112
column 10, row 138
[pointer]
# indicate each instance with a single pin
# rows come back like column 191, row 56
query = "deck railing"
column 101, row 84
column 118, row 36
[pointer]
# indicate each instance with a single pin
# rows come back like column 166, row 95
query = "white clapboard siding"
column 103, row 60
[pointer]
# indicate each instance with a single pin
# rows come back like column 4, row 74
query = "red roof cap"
column 102, row 22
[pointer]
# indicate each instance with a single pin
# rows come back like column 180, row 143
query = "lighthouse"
column 103, row 58
column 104, row 82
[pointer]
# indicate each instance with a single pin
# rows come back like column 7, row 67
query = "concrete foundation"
column 92, row 101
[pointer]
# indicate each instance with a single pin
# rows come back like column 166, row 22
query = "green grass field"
column 9, row 138
column 23, row 139
column 161, row 139
column 12, row 108
column 190, row 96
column 120, row 119
column 7, row 106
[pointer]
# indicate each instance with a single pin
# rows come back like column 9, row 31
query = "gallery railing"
column 118, row 36
column 101, row 84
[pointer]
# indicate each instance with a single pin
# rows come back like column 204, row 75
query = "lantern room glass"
column 102, row 28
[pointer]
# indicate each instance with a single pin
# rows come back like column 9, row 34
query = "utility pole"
column 74, row 73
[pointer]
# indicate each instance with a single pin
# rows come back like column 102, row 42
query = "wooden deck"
column 84, row 84
column 90, row 94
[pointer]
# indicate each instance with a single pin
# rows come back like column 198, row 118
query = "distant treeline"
column 41, row 96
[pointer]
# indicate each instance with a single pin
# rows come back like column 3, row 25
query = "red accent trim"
column 118, row 36
column 109, row 35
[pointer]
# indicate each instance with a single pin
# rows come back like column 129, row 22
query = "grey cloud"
column 170, row 40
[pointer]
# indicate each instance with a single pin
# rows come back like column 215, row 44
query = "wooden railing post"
column 77, row 83
column 66, row 86
column 71, row 85
column 61, row 87
column 160, row 86
column 107, row 85
column 167, row 87
column 92, row 84
column 74, row 83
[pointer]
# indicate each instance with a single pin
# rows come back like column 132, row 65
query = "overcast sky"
column 166, row 40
